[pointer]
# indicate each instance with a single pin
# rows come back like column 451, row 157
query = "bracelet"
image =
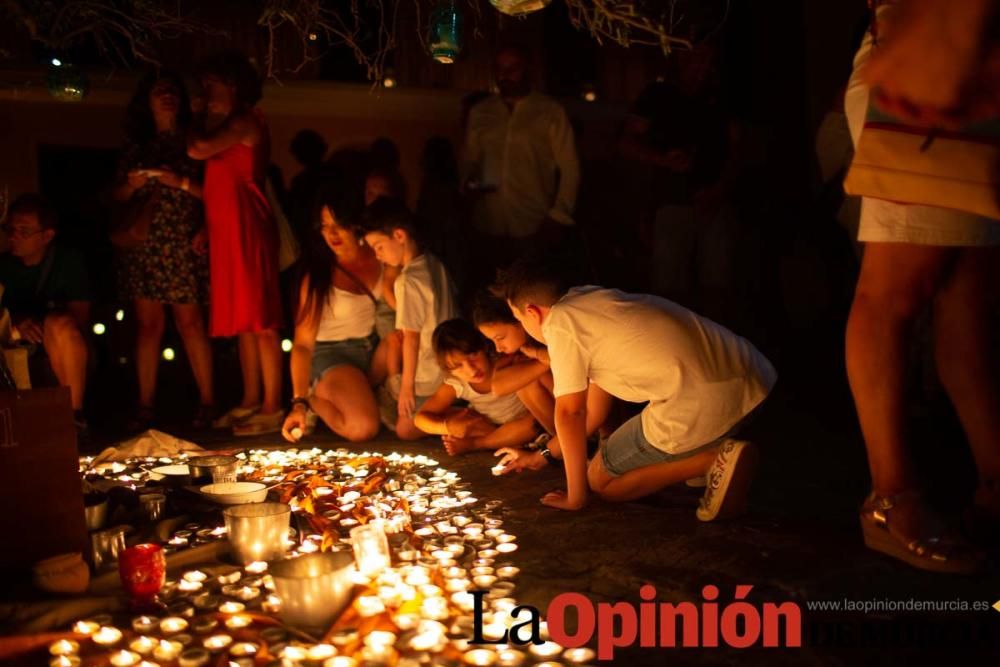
column 546, row 454
column 185, row 184
column 300, row 400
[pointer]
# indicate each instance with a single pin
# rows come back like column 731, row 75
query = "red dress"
column 242, row 243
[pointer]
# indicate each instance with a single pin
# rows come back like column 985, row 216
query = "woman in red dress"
column 242, row 236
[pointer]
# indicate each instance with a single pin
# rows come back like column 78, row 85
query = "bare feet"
column 455, row 446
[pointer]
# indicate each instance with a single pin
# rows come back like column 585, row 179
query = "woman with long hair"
column 232, row 138
column 170, row 266
column 335, row 326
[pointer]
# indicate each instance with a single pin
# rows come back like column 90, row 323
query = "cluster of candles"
column 415, row 569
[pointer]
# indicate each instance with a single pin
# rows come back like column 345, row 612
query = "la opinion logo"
column 738, row 624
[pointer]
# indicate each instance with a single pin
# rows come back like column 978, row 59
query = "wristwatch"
column 300, row 400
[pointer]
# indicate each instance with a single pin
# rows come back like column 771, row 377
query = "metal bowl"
column 206, row 469
column 314, row 589
column 235, row 493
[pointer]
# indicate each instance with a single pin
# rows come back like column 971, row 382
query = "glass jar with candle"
column 371, row 548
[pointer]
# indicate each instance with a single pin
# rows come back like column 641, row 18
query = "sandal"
column 936, row 553
column 235, row 416
column 203, row 418
column 260, row 424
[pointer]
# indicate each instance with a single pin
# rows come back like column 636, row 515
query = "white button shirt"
column 529, row 156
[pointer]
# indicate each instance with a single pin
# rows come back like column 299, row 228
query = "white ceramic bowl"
column 236, row 493
column 173, row 471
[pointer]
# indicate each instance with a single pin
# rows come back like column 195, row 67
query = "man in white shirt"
column 520, row 162
column 701, row 382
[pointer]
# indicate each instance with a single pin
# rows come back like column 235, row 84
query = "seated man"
column 700, row 382
column 47, row 292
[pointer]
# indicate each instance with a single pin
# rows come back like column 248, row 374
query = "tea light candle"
column 380, row 642
column 340, row 661
column 321, row 652
column 65, row 661
column 369, row 605
column 507, row 548
column 230, row 578
column 294, row 654
column 247, row 593
column 172, row 625
column 454, row 572
column 473, row 530
column 441, row 554
column 189, row 586
column 238, row 621
column 488, row 553
column 494, row 631
column 484, row 580
column 217, row 643
column 195, row 575
column 508, row 572
column 435, row 609
column 480, row 656
column 143, row 645
column 579, row 655
column 206, row 601
column 64, row 647
column 463, row 600
column 194, row 657
column 482, row 570
column 493, row 533
column 308, row 547
column 107, row 636
column 178, row 542
column 271, row 605
column 167, row 650
column 546, row 650
column 256, row 567
column 204, row 624
column 342, row 638
column 232, row 607
column 245, row 650
column 510, row 658
column 455, row 585
column 125, row 658
column 181, row 608
column 144, row 624
column 86, row 627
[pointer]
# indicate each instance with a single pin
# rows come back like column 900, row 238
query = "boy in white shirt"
column 424, row 298
column 701, row 382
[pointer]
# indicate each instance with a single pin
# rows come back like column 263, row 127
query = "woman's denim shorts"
column 355, row 352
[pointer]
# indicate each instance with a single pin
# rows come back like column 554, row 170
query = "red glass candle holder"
column 143, row 569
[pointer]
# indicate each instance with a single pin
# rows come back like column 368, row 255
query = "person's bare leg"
column 407, row 430
column 643, row 481
column 344, row 401
column 897, row 281
column 250, row 369
column 67, row 349
column 965, row 353
column 379, row 370
column 269, row 351
column 538, row 399
column 599, row 404
column 394, row 353
column 151, row 321
column 191, row 326
column 512, row 434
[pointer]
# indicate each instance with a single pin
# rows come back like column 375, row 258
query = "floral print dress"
column 165, row 268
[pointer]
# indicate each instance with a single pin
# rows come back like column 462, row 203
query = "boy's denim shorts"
column 356, row 352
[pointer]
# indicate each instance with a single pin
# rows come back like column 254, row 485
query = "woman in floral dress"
column 170, row 267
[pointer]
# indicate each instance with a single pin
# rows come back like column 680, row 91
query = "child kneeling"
column 490, row 421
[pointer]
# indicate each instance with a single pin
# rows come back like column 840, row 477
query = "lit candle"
column 308, row 547
column 369, row 605
column 247, row 593
column 493, row 533
column 480, row 656
column 546, row 650
column 217, row 643
column 380, row 641
column 172, row 625
column 86, row 627
column 65, row 661
column 144, row 624
column 507, row 548
column 107, row 636
column 488, row 553
column 256, row 567
column 340, row 661
column 321, row 652
column 271, row 605
column 294, row 654
column 232, row 607
column 238, row 621
column 64, row 647
column 124, row 658
column 143, row 645
column 508, row 572
column 167, row 650
column 206, row 601
column 245, row 650
column 484, row 580
column 434, row 608
column 456, row 585
column 430, row 636
column 579, row 655
column 473, row 530
column 230, row 578
column 510, row 658
column 178, row 542
column 371, row 548
column 189, row 586
column 195, row 575
column 482, row 570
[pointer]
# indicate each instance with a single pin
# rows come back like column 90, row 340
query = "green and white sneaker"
column 697, row 482
column 728, row 481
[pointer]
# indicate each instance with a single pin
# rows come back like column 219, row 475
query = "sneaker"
column 260, row 424
column 235, row 416
column 728, row 481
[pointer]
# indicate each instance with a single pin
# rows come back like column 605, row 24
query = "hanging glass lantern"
column 519, row 7
column 446, row 32
column 67, row 82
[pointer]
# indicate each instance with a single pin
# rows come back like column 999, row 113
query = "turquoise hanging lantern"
column 519, row 7
column 446, row 32
column 66, row 82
